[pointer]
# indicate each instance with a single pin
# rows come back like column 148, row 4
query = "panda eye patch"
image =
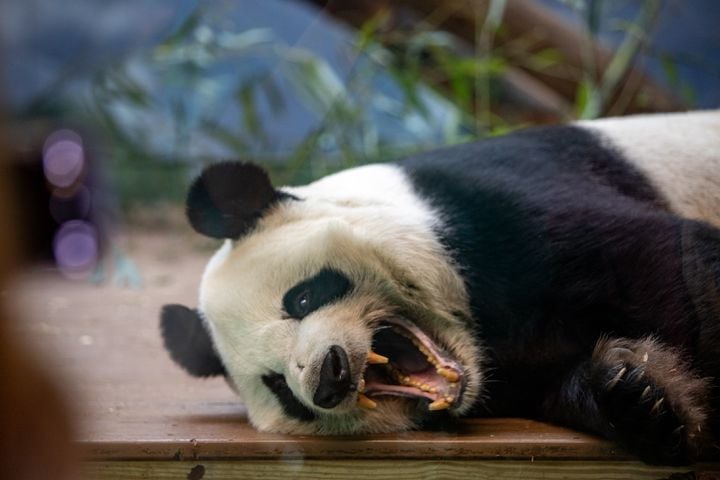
column 307, row 296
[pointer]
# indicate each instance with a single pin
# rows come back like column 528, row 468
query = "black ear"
column 228, row 198
column 189, row 342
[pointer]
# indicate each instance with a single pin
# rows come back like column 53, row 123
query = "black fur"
column 290, row 404
column 188, row 341
column 561, row 242
column 228, row 199
column 325, row 287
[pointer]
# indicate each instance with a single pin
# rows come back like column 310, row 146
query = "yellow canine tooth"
column 376, row 359
column 365, row 402
column 441, row 404
column 448, row 374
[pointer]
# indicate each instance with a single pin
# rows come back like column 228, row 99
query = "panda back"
column 679, row 153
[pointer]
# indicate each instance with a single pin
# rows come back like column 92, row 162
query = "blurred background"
column 113, row 106
column 110, row 108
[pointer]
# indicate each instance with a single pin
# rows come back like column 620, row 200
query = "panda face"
column 336, row 310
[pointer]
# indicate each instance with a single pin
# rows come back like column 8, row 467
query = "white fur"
column 679, row 152
column 369, row 224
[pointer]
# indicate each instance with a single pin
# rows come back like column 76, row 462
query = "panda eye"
column 303, row 303
column 315, row 292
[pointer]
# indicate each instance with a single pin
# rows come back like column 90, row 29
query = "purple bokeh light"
column 76, row 248
column 63, row 158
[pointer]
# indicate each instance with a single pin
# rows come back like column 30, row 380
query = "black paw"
column 654, row 405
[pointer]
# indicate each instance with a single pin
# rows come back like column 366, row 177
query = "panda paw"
column 653, row 403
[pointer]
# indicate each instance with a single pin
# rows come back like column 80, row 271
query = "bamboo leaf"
column 314, row 80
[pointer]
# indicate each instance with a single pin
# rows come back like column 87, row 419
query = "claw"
column 611, row 384
column 645, row 393
column 657, row 405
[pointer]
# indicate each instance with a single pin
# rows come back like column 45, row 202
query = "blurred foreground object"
column 35, row 425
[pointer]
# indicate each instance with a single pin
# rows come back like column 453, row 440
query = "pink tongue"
column 398, row 391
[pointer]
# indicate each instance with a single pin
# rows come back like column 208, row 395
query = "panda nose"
column 334, row 382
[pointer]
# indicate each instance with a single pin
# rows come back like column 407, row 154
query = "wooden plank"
column 387, row 469
column 234, row 438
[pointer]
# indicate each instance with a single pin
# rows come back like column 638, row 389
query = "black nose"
column 334, row 379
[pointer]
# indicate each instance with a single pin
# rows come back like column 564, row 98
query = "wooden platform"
column 139, row 416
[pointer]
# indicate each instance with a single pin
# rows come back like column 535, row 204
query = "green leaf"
column 689, row 95
column 183, row 32
column 625, row 54
column 251, row 120
column 224, row 136
column 314, row 80
column 273, row 95
column 543, row 59
column 670, row 69
column 249, row 39
column 369, row 29
column 587, row 100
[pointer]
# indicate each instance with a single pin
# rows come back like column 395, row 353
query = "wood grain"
column 387, row 469
column 232, row 437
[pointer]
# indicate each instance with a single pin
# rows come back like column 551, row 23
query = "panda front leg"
column 639, row 393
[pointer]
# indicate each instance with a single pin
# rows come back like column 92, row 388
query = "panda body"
column 566, row 273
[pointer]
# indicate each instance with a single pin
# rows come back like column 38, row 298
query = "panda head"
column 328, row 312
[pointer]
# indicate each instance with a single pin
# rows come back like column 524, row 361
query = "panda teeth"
column 361, row 385
column 410, row 382
column 450, row 375
column 440, row 404
column 365, row 402
column 376, row 359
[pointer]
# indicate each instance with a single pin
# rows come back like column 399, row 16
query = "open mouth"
column 406, row 362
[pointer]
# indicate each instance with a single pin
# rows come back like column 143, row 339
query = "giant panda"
column 566, row 273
